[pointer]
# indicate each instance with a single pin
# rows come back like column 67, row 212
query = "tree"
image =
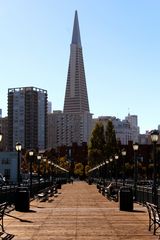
column 63, row 162
column 111, row 142
column 96, row 146
column 78, row 170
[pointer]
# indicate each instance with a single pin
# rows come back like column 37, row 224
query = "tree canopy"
column 103, row 143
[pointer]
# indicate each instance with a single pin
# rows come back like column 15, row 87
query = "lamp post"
column 49, row 173
column 123, row 156
column 135, row 148
column 44, row 161
column 39, row 162
column 18, row 149
column 52, row 165
column 107, row 171
column 31, row 154
column 110, row 170
column 1, row 136
column 116, row 158
column 154, row 139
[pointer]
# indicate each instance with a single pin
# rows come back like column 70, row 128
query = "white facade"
column 49, row 107
column 133, row 121
column 124, row 130
column 65, row 128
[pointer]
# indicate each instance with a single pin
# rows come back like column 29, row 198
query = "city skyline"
column 120, row 48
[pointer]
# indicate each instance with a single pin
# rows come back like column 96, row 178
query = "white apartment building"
column 68, row 128
column 27, row 117
column 125, row 130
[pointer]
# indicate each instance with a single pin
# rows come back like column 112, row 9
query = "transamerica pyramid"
column 76, row 97
column 74, row 124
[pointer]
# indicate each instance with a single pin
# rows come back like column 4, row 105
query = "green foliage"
column 111, row 142
column 97, row 140
column 103, row 144
column 62, row 162
column 96, row 146
column 79, row 169
column 95, row 157
column 87, row 169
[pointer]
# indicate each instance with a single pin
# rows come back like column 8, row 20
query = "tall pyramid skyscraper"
column 76, row 97
column 73, row 125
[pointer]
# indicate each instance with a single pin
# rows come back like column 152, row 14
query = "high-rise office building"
column 76, row 97
column 73, row 125
column 27, row 117
column 49, row 107
column 4, row 130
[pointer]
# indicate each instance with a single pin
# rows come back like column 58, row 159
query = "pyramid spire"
column 76, row 97
column 76, row 38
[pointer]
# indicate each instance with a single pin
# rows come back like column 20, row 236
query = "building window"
column 5, row 161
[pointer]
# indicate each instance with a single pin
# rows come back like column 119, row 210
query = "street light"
column 123, row 156
column 52, row 165
column 49, row 165
column 39, row 162
column 31, row 154
column 18, row 149
column 110, row 170
column 107, row 171
column 116, row 158
column 154, row 139
column 135, row 148
column 44, row 161
column 1, row 136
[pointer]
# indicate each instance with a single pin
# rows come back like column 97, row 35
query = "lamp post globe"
column 154, row 136
column 116, row 156
column 18, row 147
column 135, row 146
column 123, row 152
column 1, row 136
column 31, row 153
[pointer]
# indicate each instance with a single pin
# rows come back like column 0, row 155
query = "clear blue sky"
column 121, row 50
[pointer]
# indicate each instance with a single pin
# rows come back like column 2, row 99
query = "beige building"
column 68, row 128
